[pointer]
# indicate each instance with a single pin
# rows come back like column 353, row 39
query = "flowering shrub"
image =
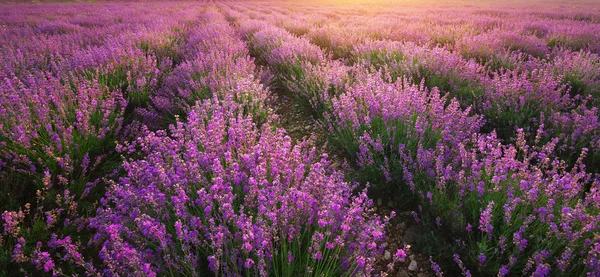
column 493, row 49
column 381, row 122
column 501, row 191
column 573, row 131
column 210, row 70
column 66, row 99
column 339, row 42
column 579, row 70
column 128, row 71
column 437, row 67
column 208, row 74
column 284, row 52
column 320, row 83
column 56, row 139
column 51, row 130
column 513, row 209
column 513, row 100
column 508, row 99
column 222, row 193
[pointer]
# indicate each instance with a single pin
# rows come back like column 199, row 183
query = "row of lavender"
column 554, row 97
column 138, row 143
column 488, row 34
column 551, row 97
column 512, row 208
column 72, row 77
column 554, row 94
column 225, row 190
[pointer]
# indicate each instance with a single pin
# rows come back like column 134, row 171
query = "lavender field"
column 280, row 138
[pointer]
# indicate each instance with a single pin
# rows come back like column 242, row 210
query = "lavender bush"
column 219, row 193
column 210, row 70
column 52, row 130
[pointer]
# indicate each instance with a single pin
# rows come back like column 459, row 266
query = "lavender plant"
column 219, row 193
column 209, row 71
column 53, row 129
column 56, row 141
column 379, row 123
column 514, row 210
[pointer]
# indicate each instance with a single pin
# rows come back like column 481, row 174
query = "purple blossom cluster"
column 221, row 191
column 398, row 118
